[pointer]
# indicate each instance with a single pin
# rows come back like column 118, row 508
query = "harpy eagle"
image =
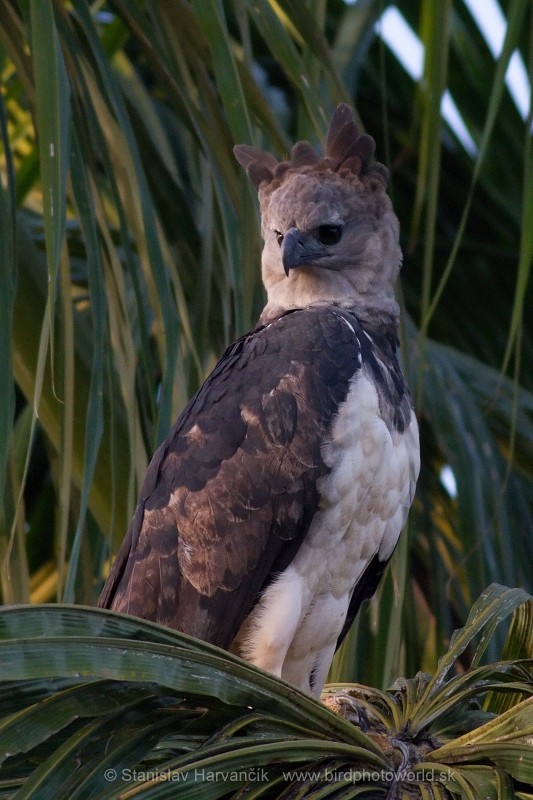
column 270, row 511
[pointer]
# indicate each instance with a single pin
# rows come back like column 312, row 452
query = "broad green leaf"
column 97, row 644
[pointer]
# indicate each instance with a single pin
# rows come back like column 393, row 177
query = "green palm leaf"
column 94, row 703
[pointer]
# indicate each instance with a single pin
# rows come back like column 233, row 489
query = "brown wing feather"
column 230, row 494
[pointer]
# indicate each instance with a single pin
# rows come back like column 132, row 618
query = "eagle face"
column 319, row 220
column 270, row 511
column 306, row 218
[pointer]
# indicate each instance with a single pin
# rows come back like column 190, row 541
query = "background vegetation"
column 130, row 247
column 129, row 257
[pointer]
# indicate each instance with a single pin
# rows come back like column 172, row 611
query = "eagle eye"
column 329, row 234
column 279, row 237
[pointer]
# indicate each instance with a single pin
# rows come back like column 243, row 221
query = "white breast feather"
column 364, row 502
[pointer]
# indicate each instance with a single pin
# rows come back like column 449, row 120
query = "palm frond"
column 94, row 703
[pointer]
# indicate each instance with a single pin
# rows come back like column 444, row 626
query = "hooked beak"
column 299, row 249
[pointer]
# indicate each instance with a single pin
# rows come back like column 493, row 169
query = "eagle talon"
column 347, row 707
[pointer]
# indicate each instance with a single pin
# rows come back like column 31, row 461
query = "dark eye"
column 329, row 234
column 279, row 237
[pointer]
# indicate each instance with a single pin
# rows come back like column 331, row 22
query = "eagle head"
column 330, row 233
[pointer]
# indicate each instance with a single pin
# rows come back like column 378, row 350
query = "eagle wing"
column 231, row 492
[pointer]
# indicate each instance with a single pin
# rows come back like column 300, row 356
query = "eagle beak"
column 294, row 250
